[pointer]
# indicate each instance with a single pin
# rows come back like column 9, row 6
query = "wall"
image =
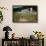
column 23, row 29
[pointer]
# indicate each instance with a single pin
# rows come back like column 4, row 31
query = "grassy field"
column 28, row 16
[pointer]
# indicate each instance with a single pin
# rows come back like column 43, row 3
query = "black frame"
column 30, row 18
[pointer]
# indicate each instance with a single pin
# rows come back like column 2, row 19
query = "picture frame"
column 25, row 14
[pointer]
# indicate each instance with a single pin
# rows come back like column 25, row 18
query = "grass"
column 29, row 16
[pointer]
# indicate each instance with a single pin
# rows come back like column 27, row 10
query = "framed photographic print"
column 25, row 13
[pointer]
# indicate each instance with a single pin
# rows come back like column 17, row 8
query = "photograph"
column 25, row 13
